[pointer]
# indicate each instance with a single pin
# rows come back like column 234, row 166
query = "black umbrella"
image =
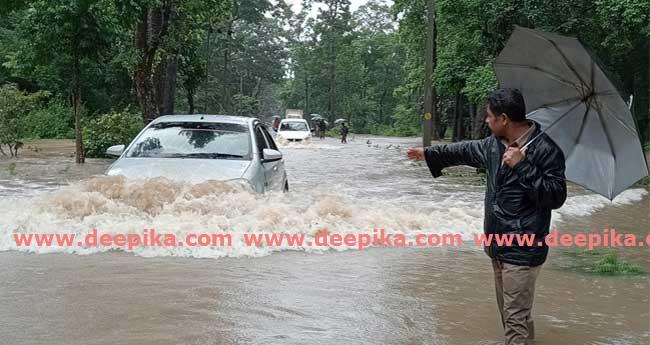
column 577, row 106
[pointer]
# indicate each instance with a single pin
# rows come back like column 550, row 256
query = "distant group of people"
column 320, row 127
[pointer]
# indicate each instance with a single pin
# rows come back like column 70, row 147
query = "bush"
column 54, row 121
column 14, row 105
column 110, row 129
column 333, row 132
column 610, row 265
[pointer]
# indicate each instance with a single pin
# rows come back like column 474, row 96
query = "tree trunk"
column 307, row 109
column 484, row 130
column 258, row 88
column 435, row 118
column 149, row 36
column 190, row 101
column 428, row 132
column 225, row 101
column 142, row 73
column 458, row 118
column 159, row 84
column 381, row 105
column 332, row 65
column 207, row 77
column 76, row 99
column 462, row 123
column 332, row 87
column 477, row 122
column 169, row 86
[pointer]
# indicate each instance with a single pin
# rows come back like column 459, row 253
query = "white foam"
column 583, row 205
column 117, row 205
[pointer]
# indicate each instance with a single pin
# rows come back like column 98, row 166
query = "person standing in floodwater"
column 323, row 128
column 276, row 124
column 344, row 133
column 523, row 186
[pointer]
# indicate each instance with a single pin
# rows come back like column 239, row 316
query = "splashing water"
column 331, row 187
column 114, row 204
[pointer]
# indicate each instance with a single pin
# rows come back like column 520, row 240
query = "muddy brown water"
column 287, row 296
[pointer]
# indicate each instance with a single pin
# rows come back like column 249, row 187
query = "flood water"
column 244, row 295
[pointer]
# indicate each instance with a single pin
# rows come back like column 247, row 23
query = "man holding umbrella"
column 523, row 186
column 344, row 130
column 579, row 120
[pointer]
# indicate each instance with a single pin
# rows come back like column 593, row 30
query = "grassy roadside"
column 601, row 263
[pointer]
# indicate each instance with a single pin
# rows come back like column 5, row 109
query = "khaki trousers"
column 515, row 290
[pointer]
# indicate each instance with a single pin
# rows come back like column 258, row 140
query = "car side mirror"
column 269, row 155
column 115, row 151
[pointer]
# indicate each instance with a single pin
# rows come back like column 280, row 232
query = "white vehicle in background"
column 294, row 130
column 293, row 114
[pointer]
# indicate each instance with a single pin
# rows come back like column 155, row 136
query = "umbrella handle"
column 549, row 126
column 629, row 105
column 530, row 141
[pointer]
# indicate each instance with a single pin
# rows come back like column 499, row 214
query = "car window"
column 269, row 139
column 293, row 126
column 193, row 140
column 259, row 138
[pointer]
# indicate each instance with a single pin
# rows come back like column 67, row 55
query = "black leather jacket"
column 518, row 199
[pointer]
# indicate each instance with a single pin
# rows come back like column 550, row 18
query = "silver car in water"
column 198, row 148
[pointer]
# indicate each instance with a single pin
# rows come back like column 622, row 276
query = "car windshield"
column 193, row 140
column 293, row 126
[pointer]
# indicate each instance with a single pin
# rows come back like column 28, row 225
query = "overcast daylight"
column 229, row 172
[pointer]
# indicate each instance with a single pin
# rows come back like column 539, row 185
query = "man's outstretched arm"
column 438, row 157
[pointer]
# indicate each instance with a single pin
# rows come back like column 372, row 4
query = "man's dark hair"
column 508, row 101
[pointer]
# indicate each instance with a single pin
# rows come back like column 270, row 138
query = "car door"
column 277, row 169
column 270, row 168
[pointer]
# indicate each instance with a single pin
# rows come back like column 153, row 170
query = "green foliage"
column 471, row 33
column 243, row 54
column 53, row 121
column 15, row 105
column 256, row 57
column 609, row 264
column 245, row 105
column 59, row 34
column 479, row 83
column 343, row 72
column 333, row 132
column 110, row 129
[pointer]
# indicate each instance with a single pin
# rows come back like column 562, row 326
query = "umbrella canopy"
column 339, row 121
column 577, row 106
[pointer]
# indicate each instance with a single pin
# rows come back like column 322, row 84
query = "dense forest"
column 100, row 69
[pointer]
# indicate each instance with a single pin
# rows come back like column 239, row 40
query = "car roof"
column 296, row 120
column 206, row 118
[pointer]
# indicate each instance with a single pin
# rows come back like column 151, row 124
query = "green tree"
column 14, row 107
column 82, row 30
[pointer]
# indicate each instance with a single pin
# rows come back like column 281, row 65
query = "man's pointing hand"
column 415, row 153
